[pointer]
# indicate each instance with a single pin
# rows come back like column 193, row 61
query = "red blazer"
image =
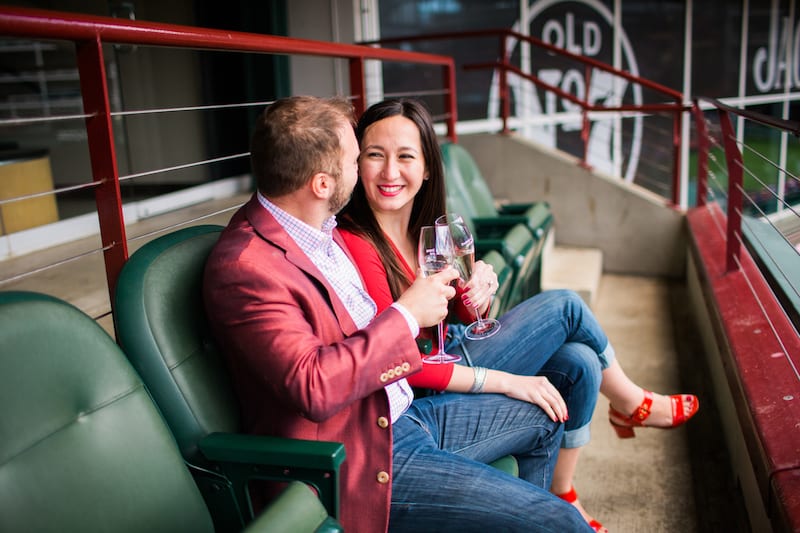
column 299, row 365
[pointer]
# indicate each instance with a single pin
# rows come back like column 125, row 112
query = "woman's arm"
column 533, row 389
column 371, row 267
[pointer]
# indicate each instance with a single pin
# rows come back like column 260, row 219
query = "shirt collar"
column 308, row 237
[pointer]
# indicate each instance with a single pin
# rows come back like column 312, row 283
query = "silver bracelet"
column 480, row 379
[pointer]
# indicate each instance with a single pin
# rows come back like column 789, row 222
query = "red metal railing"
column 505, row 67
column 89, row 33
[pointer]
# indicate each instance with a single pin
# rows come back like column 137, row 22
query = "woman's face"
column 391, row 164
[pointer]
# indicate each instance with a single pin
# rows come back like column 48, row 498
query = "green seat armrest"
column 514, row 209
column 494, row 227
column 265, row 450
column 243, row 458
column 491, row 225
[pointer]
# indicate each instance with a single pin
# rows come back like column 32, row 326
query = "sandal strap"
column 570, row 496
column 643, row 411
column 679, row 409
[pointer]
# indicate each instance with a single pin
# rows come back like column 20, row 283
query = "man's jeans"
column 440, row 479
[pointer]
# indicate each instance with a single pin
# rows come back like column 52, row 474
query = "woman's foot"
column 571, row 497
column 656, row 410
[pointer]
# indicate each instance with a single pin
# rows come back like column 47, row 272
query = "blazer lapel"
column 271, row 231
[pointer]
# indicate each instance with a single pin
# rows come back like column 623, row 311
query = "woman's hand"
column 480, row 288
column 533, row 389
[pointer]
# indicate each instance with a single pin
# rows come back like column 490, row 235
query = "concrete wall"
column 710, row 330
column 636, row 230
column 322, row 20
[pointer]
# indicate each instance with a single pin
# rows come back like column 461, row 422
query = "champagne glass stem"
column 440, row 330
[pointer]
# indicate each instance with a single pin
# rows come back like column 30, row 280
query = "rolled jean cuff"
column 607, row 357
column 575, row 438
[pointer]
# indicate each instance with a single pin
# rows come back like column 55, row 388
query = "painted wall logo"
column 773, row 68
column 583, row 27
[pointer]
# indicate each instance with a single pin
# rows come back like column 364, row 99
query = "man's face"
column 349, row 165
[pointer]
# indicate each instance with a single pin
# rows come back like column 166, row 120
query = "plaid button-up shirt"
column 341, row 273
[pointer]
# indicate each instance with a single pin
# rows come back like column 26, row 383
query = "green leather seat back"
column 82, row 447
column 505, row 280
column 161, row 325
column 465, row 174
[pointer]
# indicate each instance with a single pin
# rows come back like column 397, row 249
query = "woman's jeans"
column 442, row 445
column 552, row 334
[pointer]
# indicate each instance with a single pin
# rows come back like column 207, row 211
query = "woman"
column 550, row 335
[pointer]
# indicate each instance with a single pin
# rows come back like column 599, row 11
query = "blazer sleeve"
column 369, row 264
column 281, row 337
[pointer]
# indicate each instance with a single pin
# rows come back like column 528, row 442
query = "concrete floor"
column 660, row 481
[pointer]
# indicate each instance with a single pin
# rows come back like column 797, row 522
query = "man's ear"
column 322, row 185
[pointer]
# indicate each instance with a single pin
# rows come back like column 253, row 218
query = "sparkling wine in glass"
column 464, row 260
column 435, row 253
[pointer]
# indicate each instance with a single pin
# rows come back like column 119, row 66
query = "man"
column 310, row 360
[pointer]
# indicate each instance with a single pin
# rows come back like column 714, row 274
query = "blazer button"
column 383, row 422
column 390, row 373
column 406, row 367
column 383, row 477
column 398, row 371
column 384, row 377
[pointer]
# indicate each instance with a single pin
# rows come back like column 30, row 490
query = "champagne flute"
column 464, row 259
column 435, row 253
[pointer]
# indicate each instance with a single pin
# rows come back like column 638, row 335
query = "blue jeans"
column 441, row 480
column 551, row 334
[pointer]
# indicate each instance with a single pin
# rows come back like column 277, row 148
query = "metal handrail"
column 505, row 67
column 89, row 33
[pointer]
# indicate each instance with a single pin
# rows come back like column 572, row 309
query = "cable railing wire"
column 35, row 120
column 59, row 190
column 767, row 317
column 211, row 107
column 176, row 225
column 65, row 261
column 183, row 166
column 766, row 250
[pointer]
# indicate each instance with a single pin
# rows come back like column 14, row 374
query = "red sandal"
column 624, row 425
column 570, row 497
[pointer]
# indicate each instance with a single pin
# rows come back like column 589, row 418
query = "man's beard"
column 340, row 198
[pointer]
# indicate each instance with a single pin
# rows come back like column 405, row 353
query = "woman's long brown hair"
column 429, row 203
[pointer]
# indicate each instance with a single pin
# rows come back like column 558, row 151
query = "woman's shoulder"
column 355, row 240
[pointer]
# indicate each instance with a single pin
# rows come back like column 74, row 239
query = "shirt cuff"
column 410, row 320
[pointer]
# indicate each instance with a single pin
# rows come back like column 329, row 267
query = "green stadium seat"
column 84, row 448
column 519, row 238
column 162, row 327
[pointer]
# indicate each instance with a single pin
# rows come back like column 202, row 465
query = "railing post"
column 102, row 153
column 702, row 154
column 449, row 72
column 587, row 125
column 358, row 88
column 677, row 124
column 505, row 101
column 733, row 158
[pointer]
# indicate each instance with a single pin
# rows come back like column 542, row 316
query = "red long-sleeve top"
column 368, row 262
